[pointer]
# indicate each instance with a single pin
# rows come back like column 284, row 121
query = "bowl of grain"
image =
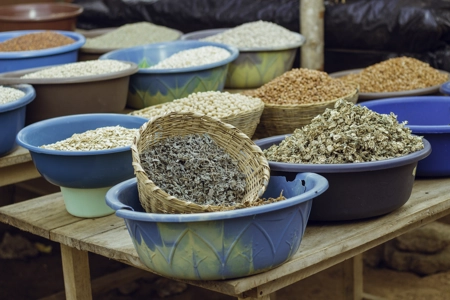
column 266, row 50
column 241, row 111
column 103, row 40
column 232, row 244
column 84, row 155
column 426, row 116
column 173, row 70
column 75, row 88
column 369, row 160
column 395, row 77
column 43, row 16
column 292, row 99
column 13, row 102
column 24, row 49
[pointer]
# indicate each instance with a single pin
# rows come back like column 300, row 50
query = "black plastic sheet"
column 372, row 29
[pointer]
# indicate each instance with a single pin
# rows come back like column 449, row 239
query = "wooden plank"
column 38, row 216
column 18, row 173
column 324, row 244
column 77, row 279
column 352, row 287
column 18, row 156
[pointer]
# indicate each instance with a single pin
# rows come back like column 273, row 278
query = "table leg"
column 353, row 278
column 77, row 278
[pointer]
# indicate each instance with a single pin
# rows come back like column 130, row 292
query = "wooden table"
column 323, row 245
column 17, row 167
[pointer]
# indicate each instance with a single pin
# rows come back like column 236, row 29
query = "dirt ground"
column 40, row 276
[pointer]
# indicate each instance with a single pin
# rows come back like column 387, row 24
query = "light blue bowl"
column 84, row 176
column 150, row 87
column 220, row 245
column 445, row 88
column 12, row 117
column 19, row 60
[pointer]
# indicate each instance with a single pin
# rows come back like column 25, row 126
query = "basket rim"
column 355, row 92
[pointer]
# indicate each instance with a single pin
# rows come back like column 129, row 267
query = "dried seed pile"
column 102, row 138
column 194, row 168
column 397, row 74
column 193, row 57
column 258, row 34
column 213, row 103
column 303, row 86
column 346, row 134
column 130, row 35
column 78, row 69
column 35, row 41
column 8, row 94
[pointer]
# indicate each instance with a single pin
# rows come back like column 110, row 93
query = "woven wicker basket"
column 284, row 119
column 241, row 148
column 246, row 121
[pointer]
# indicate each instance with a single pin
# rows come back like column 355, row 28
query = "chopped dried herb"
column 194, row 168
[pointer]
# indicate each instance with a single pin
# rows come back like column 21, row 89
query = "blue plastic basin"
column 427, row 116
column 445, row 88
column 79, row 169
column 19, row 60
column 155, row 86
column 12, row 117
column 220, row 245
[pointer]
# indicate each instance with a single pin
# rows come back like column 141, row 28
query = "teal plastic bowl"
column 220, row 245
column 254, row 67
column 19, row 60
column 12, row 117
column 83, row 176
column 156, row 86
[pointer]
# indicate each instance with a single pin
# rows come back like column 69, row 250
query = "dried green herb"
column 194, row 168
column 346, row 134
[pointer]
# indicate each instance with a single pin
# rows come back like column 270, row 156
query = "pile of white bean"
column 101, row 138
column 213, row 103
column 130, row 35
column 258, row 34
column 78, row 69
column 193, row 57
column 8, row 94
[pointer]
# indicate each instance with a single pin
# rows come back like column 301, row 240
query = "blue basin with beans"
column 156, row 86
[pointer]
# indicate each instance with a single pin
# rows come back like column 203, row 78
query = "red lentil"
column 35, row 41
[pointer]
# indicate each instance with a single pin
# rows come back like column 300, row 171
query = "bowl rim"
column 372, row 96
column 186, row 36
column 65, row 119
column 77, row 10
column 445, row 88
column 126, row 212
column 348, row 167
column 78, row 37
column 101, row 51
column 417, row 129
column 234, row 52
column 15, row 76
column 30, row 95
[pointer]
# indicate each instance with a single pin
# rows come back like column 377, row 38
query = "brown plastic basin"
column 55, row 97
column 46, row 16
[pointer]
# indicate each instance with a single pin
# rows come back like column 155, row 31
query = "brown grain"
column 303, row 86
column 35, row 41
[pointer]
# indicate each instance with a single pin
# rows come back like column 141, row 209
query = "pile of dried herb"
column 194, row 168
column 347, row 134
